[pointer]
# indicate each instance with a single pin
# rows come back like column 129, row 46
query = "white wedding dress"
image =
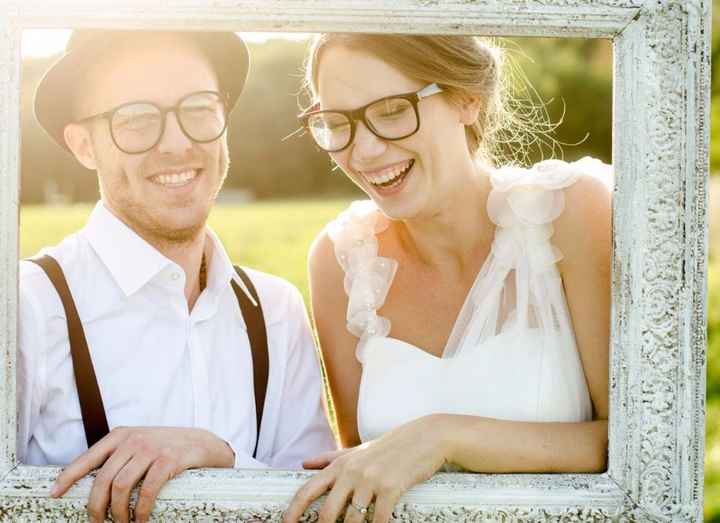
column 511, row 354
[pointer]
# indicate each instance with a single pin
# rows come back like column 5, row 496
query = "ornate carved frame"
column 657, row 387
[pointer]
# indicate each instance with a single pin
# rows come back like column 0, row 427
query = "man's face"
column 166, row 193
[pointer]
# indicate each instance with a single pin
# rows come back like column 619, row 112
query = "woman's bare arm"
column 329, row 311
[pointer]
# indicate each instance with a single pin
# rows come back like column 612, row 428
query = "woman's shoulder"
column 348, row 239
column 583, row 232
column 569, row 201
column 360, row 220
column 548, row 191
column 344, row 260
column 551, row 175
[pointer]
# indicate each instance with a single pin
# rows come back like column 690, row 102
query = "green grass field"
column 275, row 236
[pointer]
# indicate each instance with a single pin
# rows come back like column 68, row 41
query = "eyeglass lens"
column 391, row 118
column 137, row 127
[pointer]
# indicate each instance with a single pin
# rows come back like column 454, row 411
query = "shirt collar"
column 221, row 269
column 133, row 262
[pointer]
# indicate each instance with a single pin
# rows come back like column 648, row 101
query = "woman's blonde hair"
column 464, row 66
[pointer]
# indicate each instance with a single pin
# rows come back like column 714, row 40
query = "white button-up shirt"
column 157, row 364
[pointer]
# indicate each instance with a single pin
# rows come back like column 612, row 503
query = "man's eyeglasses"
column 390, row 118
column 137, row 127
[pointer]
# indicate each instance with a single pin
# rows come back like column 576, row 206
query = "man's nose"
column 366, row 145
column 173, row 139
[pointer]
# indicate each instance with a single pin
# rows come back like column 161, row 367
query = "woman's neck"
column 451, row 236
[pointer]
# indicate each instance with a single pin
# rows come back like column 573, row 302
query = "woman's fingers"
column 309, row 492
column 357, row 509
column 335, row 502
column 385, row 504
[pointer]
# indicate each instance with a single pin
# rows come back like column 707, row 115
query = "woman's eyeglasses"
column 137, row 127
column 390, row 118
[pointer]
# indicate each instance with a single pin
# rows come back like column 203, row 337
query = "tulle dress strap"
column 519, row 284
column 368, row 276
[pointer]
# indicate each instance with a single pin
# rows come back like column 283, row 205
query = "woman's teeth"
column 391, row 175
column 175, row 179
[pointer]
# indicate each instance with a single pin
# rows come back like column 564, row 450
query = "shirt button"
column 175, row 276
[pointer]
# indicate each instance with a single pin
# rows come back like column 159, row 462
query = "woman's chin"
column 399, row 209
column 397, row 201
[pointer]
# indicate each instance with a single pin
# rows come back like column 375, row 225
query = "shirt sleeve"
column 303, row 430
column 245, row 461
column 30, row 365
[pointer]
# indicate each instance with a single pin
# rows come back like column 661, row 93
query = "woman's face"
column 406, row 178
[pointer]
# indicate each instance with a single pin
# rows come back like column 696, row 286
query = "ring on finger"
column 362, row 510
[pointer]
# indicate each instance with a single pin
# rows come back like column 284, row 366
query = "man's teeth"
column 175, row 178
column 389, row 174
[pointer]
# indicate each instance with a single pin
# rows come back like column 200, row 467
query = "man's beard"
column 154, row 230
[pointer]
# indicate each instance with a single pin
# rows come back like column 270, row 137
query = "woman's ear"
column 78, row 139
column 469, row 109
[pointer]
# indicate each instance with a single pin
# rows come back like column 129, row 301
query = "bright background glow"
column 46, row 42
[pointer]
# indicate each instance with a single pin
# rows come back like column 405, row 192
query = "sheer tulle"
column 511, row 353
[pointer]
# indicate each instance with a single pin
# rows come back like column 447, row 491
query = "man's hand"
column 129, row 454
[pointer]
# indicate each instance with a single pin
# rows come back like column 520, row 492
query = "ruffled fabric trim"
column 523, row 203
column 367, row 276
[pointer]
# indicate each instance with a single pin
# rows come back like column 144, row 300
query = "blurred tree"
column 715, row 91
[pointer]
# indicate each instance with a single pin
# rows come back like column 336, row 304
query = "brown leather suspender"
column 257, row 334
column 91, row 405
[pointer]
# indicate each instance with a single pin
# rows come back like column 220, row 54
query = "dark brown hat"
column 226, row 51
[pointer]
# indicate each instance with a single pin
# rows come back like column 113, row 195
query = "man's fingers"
column 100, row 492
column 318, row 462
column 308, row 493
column 323, row 460
column 83, row 464
column 161, row 471
column 129, row 476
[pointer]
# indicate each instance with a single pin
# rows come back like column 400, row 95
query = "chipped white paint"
column 659, row 271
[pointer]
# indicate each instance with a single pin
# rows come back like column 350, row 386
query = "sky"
column 46, row 42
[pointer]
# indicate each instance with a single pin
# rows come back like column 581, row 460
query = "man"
column 170, row 363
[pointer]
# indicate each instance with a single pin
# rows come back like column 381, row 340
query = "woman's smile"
column 389, row 179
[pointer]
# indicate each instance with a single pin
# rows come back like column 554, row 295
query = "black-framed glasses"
column 390, row 118
column 136, row 127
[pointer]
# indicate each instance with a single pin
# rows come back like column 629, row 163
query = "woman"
column 463, row 312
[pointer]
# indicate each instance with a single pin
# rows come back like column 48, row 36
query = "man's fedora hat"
column 226, row 52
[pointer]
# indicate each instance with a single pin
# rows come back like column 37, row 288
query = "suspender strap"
column 257, row 334
column 91, row 404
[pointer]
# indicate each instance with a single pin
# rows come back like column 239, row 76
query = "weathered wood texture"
column 659, row 268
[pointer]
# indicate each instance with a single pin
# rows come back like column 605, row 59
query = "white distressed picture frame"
column 660, row 146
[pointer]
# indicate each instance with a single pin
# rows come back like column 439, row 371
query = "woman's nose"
column 366, row 145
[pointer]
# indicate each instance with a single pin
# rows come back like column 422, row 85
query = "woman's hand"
column 380, row 470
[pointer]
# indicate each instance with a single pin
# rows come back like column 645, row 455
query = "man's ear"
column 469, row 109
column 78, row 139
